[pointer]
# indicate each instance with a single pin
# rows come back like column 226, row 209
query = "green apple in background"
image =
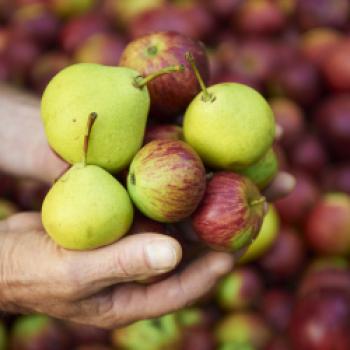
column 230, row 125
column 264, row 170
column 7, row 209
column 120, row 98
column 87, row 207
column 266, row 237
column 3, row 337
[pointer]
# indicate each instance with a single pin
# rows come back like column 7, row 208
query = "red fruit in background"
column 241, row 289
column 298, row 80
column 170, row 93
column 309, row 155
column 231, row 212
column 193, row 21
column 336, row 67
column 321, row 321
column 93, row 347
column 162, row 132
column 223, row 9
column 316, row 44
column 278, row 343
column 78, row 29
column 29, row 194
column 259, row 17
column 322, row 13
column 332, row 120
column 276, row 306
column 290, row 117
column 7, row 185
column 143, row 224
column 46, row 67
column 37, row 22
column 337, row 178
column 86, row 335
column 102, row 48
column 327, row 228
column 285, row 258
column 4, row 68
column 198, row 338
column 294, row 208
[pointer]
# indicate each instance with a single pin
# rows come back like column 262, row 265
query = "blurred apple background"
column 296, row 294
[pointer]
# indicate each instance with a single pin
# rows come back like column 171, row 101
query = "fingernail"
column 161, row 255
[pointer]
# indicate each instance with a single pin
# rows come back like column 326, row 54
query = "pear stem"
column 260, row 200
column 206, row 95
column 140, row 82
column 91, row 120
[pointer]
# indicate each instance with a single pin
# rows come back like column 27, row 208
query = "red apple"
column 322, row 13
column 46, row 67
column 7, row 185
column 223, row 9
column 4, row 68
column 170, row 93
column 321, row 321
column 102, row 48
column 191, row 20
column 79, row 29
column 294, row 208
column 93, row 347
column 332, row 120
column 337, row 178
column 309, row 155
column 277, row 306
column 285, row 258
column 259, row 17
column 143, row 224
column 241, row 289
column 291, row 119
column 162, row 132
column 231, row 212
column 36, row 21
column 86, row 335
column 279, row 342
column 336, row 67
column 327, row 227
column 29, row 194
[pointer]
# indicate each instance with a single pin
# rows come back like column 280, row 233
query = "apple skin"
column 36, row 21
column 143, row 224
column 278, row 342
column 327, row 228
column 86, row 335
column 337, row 178
column 332, row 120
column 162, row 132
column 266, row 237
column 198, row 338
column 29, row 194
column 223, row 9
column 36, row 332
column 7, row 185
column 309, row 155
column 261, row 17
column 191, row 20
column 290, row 117
column 101, row 48
column 321, row 321
column 7, row 209
column 294, row 208
column 171, row 93
column 230, row 214
column 322, row 13
column 93, row 347
column 46, row 67
column 336, row 69
column 277, row 306
column 241, row 289
column 166, row 180
column 243, row 328
column 286, row 256
column 79, row 29
column 316, row 44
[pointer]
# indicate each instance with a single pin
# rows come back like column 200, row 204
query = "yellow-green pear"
column 120, row 98
column 87, row 207
column 230, row 125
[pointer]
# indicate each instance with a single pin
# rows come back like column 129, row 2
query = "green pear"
column 120, row 98
column 262, row 172
column 87, row 207
column 230, row 125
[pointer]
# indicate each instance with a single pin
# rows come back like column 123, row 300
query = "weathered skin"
column 166, row 180
column 231, row 212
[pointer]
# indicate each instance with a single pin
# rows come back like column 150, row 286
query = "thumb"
column 133, row 258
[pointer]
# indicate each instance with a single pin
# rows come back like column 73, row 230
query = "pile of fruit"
column 166, row 133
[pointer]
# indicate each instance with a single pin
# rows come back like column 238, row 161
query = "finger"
column 281, row 185
column 133, row 258
column 278, row 132
column 29, row 221
column 132, row 302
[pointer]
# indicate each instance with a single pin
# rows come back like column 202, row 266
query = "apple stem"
column 91, row 120
column 140, row 82
column 261, row 200
column 206, row 95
